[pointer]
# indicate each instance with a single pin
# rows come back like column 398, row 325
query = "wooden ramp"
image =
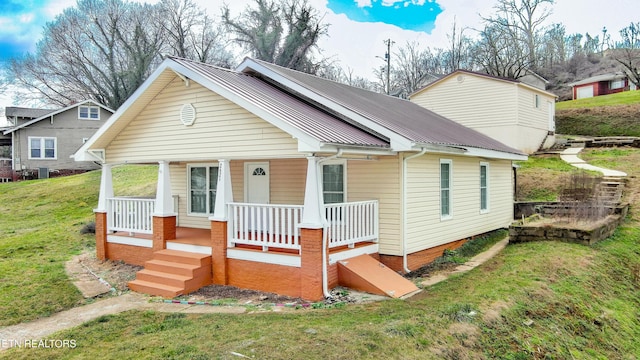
column 171, row 273
column 364, row 273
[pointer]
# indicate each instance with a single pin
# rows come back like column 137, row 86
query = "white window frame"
column 342, row 162
column 42, row 147
column 616, row 84
column 89, row 108
column 487, row 187
column 208, row 174
column 449, row 189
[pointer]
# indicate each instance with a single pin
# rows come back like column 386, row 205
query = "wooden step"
column 171, row 267
column 155, row 289
column 163, row 278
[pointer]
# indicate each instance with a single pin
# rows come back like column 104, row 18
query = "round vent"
column 187, row 114
column 460, row 78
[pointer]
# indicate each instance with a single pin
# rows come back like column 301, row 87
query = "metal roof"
column 598, row 78
column 411, row 121
column 301, row 115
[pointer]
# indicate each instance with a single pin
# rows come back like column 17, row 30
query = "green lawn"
column 536, row 300
column 623, row 98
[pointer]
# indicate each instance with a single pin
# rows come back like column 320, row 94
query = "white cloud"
column 363, row 3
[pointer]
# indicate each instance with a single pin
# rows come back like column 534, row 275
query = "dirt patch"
column 116, row 273
column 492, row 314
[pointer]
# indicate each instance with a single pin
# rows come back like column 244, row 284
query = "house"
column 43, row 140
column 601, row 85
column 280, row 181
column 513, row 112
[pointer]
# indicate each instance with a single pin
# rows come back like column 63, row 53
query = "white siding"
column 425, row 229
column 472, row 101
column 222, row 130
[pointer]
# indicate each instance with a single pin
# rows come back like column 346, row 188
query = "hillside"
column 609, row 115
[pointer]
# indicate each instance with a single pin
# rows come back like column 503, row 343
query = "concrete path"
column 41, row 328
column 570, row 155
column 469, row 265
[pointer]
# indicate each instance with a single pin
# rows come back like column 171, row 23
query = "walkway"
column 570, row 155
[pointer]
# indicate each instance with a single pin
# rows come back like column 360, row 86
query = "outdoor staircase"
column 367, row 274
column 171, row 273
column 610, row 191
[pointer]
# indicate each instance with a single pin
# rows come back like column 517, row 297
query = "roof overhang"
column 469, row 151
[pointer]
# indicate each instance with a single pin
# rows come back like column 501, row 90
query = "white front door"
column 256, row 182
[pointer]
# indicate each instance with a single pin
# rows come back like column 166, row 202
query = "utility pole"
column 387, row 57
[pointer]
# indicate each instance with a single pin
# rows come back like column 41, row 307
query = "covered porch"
column 285, row 248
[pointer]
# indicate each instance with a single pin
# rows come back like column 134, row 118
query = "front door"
column 256, row 183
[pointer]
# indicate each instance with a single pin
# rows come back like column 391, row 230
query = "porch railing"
column 352, row 222
column 133, row 215
column 265, row 225
column 276, row 226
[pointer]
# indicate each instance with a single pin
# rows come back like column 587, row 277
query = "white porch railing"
column 352, row 222
column 265, row 225
column 276, row 226
column 133, row 215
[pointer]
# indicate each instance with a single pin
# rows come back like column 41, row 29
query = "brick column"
column 219, row 252
column 164, row 228
column 101, row 235
column 311, row 264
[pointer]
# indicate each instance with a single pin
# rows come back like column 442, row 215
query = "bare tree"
column 500, row 53
column 628, row 52
column 101, row 50
column 458, row 55
column 523, row 18
column 284, row 32
column 192, row 34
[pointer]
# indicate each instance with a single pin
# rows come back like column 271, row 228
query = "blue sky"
column 416, row 15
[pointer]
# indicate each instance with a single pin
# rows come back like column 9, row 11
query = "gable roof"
column 485, row 76
column 598, row 78
column 325, row 113
column 51, row 113
column 409, row 124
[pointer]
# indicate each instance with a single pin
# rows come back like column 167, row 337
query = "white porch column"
column 224, row 192
column 313, row 216
column 164, row 200
column 106, row 188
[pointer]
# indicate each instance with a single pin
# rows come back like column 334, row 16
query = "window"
column 484, row 187
column 89, row 112
column 445, row 189
column 333, row 183
column 42, row 148
column 536, row 101
column 203, row 181
column 616, row 84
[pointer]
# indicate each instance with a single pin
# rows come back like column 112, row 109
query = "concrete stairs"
column 171, row 273
column 610, row 191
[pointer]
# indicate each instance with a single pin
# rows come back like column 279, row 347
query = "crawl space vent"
column 187, row 114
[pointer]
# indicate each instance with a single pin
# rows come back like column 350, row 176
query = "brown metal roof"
column 299, row 114
column 403, row 117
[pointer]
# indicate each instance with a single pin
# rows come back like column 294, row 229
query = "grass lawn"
column 608, row 115
column 534, row 300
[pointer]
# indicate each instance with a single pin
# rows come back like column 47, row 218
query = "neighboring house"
column 601, row 85
column 286, row 182
column 44, row 140
column 515, row 113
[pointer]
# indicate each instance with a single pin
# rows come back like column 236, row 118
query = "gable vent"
column 187, row 114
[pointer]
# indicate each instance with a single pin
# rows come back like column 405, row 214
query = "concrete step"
column 155, row 289
column 182, row 257
column 171, row 267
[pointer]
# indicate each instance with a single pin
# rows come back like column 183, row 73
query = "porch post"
column 164, row 217
column 106, row 192
column 311, row 234
column 219, row 222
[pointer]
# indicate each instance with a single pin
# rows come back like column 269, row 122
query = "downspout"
column 325, row 231
column 405, row 266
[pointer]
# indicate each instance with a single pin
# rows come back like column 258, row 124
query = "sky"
column 357, row 28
